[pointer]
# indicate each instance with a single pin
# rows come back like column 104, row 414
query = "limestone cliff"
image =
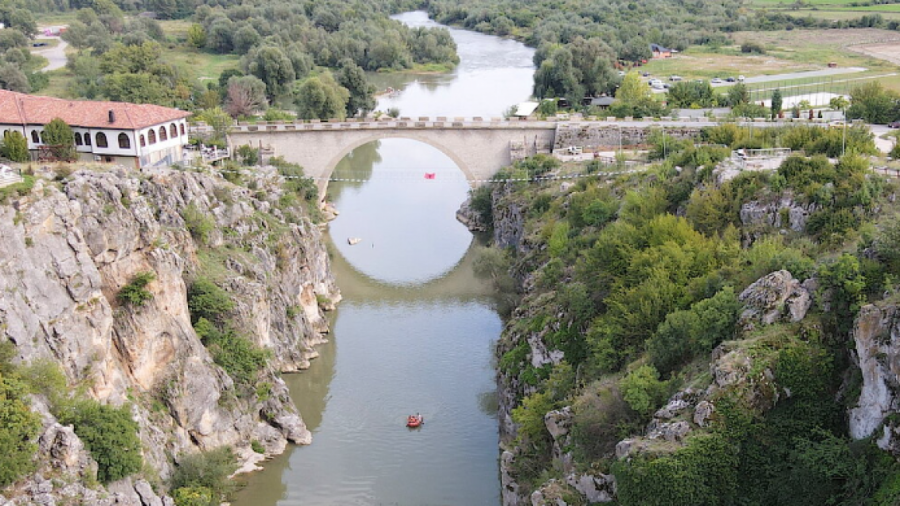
column 70, row 246
column 876, row 335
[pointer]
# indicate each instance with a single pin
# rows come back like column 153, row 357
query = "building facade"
column 112, row 132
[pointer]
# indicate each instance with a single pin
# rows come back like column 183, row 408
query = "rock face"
column 782, row 213
column 69, row 248
column 774, row 297
column 876, row 334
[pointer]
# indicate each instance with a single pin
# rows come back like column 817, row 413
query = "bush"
column 198, row 223
column 206, row 300
column 703, row 473
column 643, row 391
column 135, row 293
column 15, row 146
column 296, row 180
column 206, row 472
column 240, row 358
column 193, row 496
column 688, row 333
column 109, row 434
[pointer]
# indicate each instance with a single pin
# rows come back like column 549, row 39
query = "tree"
column 18, row 428
column 776, row 103
column 873, row 103
column 245, row 38
column 558, row 77
column 838, row 103
column 362, row 94
column 633, row 90
column 13, row 79
column 58, row 135
column 636, row 49
column 245, row 96
column 321, row 97
column 218, row 119
column 270, row 64
column 196, row 36
column 15, row 146
column 738, row 94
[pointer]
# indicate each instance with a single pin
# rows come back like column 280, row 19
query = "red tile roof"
column 22, row 109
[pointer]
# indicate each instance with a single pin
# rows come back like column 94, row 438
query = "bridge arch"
column 377, row 136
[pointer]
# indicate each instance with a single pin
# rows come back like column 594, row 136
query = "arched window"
column 87, row 139
column 124, row 141
column 173, row 131
column 34, row 137
column 143, row 141
column 162, row 134
column 182, row 128
column 101, row 140
column 78, row 141
column 151, row 136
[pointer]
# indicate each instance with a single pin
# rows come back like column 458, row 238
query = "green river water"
column 415, row 330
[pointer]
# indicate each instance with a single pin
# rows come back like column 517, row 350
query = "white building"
column 114, row 132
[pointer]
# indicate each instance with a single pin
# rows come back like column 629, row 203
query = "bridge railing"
column 441, row 122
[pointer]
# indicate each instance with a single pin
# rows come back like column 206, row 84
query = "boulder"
column 772, row 298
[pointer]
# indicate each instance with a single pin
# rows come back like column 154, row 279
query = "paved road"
column 55, row 55
column 798, row 75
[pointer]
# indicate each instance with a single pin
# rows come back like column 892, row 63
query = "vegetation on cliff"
column 632, row 285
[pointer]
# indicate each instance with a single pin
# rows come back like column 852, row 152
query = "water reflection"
column 397, row 210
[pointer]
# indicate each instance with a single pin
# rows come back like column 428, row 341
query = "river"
column 416, row 327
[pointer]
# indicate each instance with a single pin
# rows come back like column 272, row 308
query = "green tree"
column 58, row 135
column 18, row 428
column 15, row 146
column 218, row 119
column 196, row 36
column 738, row 95
column 633, row 90
column 362, row 94
column 273, row 67
column 321, row 97
column 776, row 103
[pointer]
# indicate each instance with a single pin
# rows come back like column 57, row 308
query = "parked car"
column 894, row 124
column 730, row 79
column 715, row 80
column 645, row 74
column 740, row 79
column 674, row 78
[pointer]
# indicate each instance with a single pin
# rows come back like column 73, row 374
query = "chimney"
column 112, row 116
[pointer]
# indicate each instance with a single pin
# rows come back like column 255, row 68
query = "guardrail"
column 478, row 123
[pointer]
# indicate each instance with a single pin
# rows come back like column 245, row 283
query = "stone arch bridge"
column 478, row 147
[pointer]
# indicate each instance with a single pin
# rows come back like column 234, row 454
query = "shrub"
column 109, row 434
column 240, row 358
column 257, row 447
column 206, row 472
column 198, row 223
column 207, row 301
column 643, row 391
column 15, row 146
column 193, row 496
column 135, row 293
column 688, row 333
